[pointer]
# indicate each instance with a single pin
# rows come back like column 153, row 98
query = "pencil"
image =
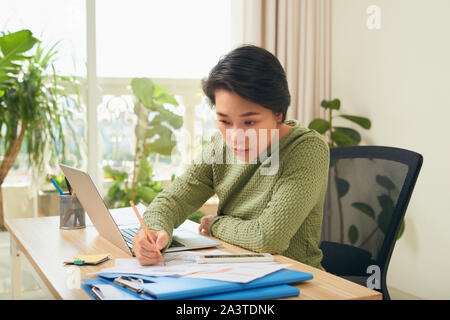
column 145, row 227
column 56, row 185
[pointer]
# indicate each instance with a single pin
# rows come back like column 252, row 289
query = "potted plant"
column 152, row 137
column 31, row 103
column 343, row 137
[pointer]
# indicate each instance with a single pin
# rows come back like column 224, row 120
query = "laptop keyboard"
column 129, row 233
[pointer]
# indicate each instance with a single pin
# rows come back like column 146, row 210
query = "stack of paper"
column 112, row 286
column 183, row 264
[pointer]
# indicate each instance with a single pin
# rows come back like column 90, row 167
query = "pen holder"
column 71, row 213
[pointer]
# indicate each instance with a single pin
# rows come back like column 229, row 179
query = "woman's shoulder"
column 306, row 150
column 304, row 140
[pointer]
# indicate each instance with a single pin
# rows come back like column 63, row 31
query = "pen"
column 56, row 185
column 145, row 227
column 68, row 186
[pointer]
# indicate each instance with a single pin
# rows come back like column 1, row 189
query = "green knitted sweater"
column 278, row 213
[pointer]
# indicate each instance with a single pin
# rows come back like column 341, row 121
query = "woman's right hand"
column 146, row 252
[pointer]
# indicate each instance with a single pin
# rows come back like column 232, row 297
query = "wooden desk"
column 46, row 247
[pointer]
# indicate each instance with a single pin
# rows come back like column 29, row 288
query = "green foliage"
column 343, row 137
column 154, row 130
column 339, row 136
column 60, row 180
column 155, row 135
column 31, row 97
column 13, row 47
column 121, row 192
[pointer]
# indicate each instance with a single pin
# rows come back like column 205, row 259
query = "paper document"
column 177, row 264
column 183, row 264
column 239, row 272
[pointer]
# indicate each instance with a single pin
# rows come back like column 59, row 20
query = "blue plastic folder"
column 263, row 293
column 165, row 288
column 124, row 294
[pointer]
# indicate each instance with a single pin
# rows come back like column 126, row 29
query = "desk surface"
column 46, row 247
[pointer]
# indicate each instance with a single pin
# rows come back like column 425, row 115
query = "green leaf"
column 353, row 234
column 331, row 104
column 325, row 104
column 365, row 208
column 115, row 188
column 385, row 182
column 161, row 145
column 143, row 90
column 145, row 171
column 363, row 122
column 146, row 194
column 13, row 46
column 402, row 229
column 114, row 173
column 320, row 125
column 173, row 119
column 335, row 104
column 345, row 137
column 342, row 186
column 162, row 96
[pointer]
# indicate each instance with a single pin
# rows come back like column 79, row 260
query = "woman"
column 279, row 211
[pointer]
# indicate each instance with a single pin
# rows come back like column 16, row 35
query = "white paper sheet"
column 239, row 272
column 183, row 264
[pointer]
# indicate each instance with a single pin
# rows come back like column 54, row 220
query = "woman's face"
column 245, row 126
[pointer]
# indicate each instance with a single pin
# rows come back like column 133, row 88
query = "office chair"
column 369, row 188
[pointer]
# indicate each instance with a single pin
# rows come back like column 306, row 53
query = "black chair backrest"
column 369, row 189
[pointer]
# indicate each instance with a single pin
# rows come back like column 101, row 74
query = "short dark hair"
column 254, row 74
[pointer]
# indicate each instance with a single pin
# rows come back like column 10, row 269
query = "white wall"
column 399, row 77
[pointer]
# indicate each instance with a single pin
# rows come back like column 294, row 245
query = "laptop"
column 122, row 237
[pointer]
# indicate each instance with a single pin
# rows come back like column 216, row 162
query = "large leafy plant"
column 339, row 136
column 343, row 137
column 154, row 129
column 31, row 95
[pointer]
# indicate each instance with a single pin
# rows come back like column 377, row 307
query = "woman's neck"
column 283, row 130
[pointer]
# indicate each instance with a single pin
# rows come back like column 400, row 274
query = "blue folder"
column 126, row 294
column 263, row 293
column 165, row 288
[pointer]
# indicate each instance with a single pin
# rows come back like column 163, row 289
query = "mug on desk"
column 71, row 212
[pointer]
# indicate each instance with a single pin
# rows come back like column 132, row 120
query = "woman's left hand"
column 205, row 223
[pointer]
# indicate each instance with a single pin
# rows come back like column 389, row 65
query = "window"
column 161, row 39
column 173, row 42
column 52, row 21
